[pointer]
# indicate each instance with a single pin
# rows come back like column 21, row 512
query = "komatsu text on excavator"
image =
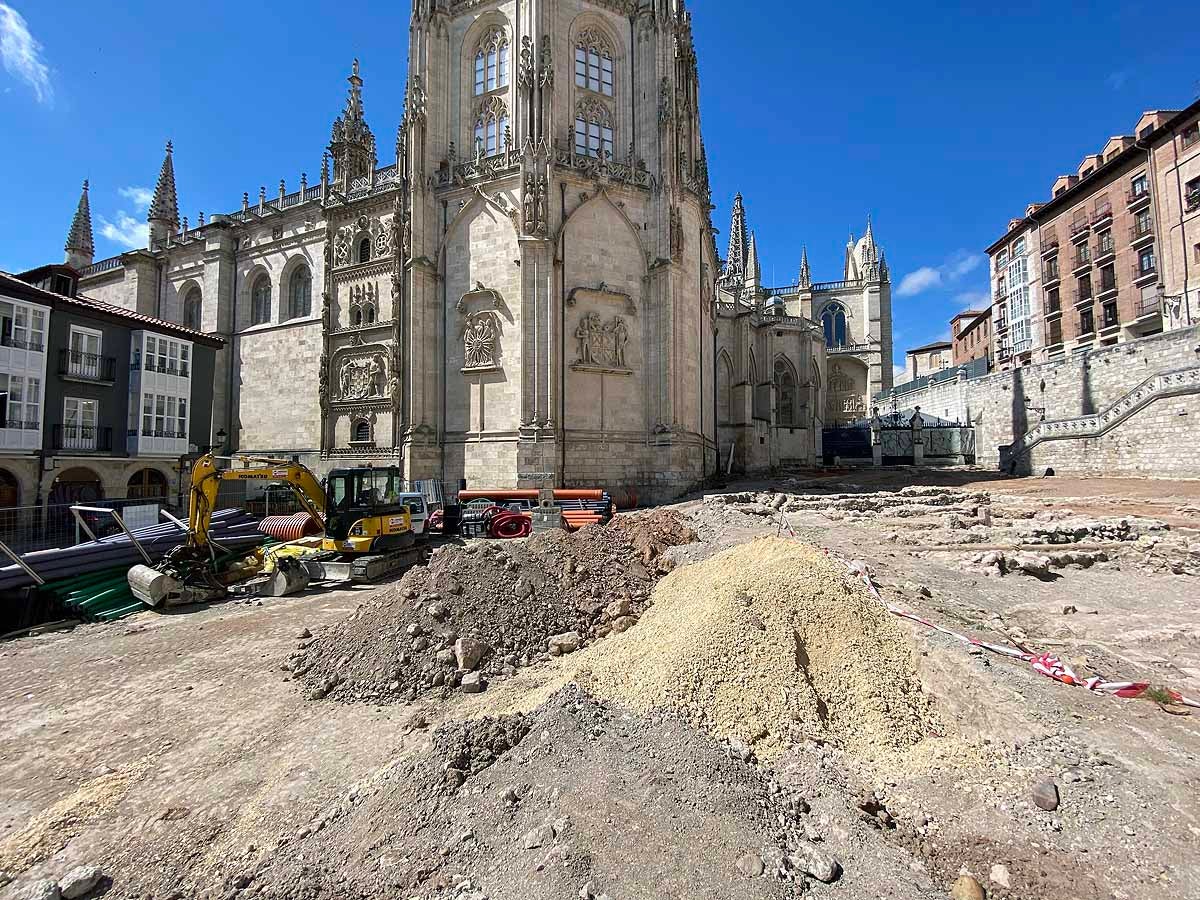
column 371, row 524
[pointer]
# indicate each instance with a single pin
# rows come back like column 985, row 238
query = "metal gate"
column 849, row 443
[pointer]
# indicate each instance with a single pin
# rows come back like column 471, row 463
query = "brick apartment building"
column 971, row 336
column 1113, row 255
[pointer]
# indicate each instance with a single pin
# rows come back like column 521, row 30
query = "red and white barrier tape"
column 1045, row 663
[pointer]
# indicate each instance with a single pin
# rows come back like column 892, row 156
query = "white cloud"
column 962, row 264
column 128, row 231
column 22, row 54
column 921, row 280
column 957, row 267
column 139, row 196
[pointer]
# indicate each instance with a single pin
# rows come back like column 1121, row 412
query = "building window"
column 1054, row 331
column 833, row 322
column 79, row 424
column 364, row 250
column 260, row 301
column 192, row 309
column 491, row 128
column 361, row 433
column 1084, row 290
column 1053, row 302
column 1087, row 322
column 1105, row 245
column 1142, row 224
column 1019, row 247
column 1146, row 261
column 491, row 62
column 594, row 64
column 1108, row 278
column 1140, row 186
column 785, row 394
column 1196, row 254
column 593, row 130
column 1191, row 192
column 22, row 327
column 300, row 293
column 1191, row 134
column 20, row 402
column 1111, row 318
column 1147, row 131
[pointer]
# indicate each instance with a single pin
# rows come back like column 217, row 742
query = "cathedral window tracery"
column 785, row 394
column 593, row 130
column 300, row 293
column 594, row 63
column 260, row 301
column 491, row 62
column 833, row 322
column 491, row 127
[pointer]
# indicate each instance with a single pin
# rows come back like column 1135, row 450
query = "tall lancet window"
column 594, row 63
column 491, row 62
column 833, row 321
column 593, row 130
column 491, row 127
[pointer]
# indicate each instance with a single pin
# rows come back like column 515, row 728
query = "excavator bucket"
column 151, row 586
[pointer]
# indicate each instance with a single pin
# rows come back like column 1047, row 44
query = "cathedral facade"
column 530, row 294
column 795, row 360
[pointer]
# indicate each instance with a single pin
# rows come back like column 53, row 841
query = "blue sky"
column 941, row 124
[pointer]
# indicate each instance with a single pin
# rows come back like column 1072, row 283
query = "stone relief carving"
column 394, row 380
column 525, row 69
column 547, row 75
column 348, row 236
column 602, row 345
column 533, row 205
column 481, row 342
column 363, row 378
column 323, row 380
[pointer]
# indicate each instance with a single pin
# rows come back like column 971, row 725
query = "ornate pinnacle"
column 165, row 205
column 79, row 239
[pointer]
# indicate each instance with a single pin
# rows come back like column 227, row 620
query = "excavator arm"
column 207, row 478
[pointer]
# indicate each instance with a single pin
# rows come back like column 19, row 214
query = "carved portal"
column 602, row 345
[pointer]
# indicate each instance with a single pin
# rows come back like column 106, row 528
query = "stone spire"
column 851, row 273
column 164, row 208
column 753, row 269
column 805, row 271
column 869, row 255
column 735, row 262
column 80, row 249
column 352, row 145
column 884, row 274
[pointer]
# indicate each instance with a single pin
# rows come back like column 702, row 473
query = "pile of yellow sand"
column 770, row 643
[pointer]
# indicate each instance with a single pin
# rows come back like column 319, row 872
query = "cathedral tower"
column 556, row 256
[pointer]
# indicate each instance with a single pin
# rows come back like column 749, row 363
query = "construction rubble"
column 808, row 689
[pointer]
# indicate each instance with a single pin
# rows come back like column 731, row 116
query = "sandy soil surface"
column 176, row 753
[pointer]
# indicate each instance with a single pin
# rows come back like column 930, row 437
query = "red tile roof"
column 11, row 282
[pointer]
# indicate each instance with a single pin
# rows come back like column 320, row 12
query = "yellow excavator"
column 368, row 521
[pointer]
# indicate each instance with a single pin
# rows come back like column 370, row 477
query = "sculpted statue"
column 876, row 427
column 589, row 326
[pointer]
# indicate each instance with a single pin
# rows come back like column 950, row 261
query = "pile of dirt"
column 653, row 533
column 484, row 610
column 770, row 644
column 593, row 802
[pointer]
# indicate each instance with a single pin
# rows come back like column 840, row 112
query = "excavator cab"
column 366, row 511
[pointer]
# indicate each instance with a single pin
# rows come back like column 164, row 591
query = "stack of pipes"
column 232, row 529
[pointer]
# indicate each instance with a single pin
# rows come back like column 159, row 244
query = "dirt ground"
column 176, row 753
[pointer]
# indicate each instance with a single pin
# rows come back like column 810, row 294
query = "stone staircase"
column 1162, row 385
